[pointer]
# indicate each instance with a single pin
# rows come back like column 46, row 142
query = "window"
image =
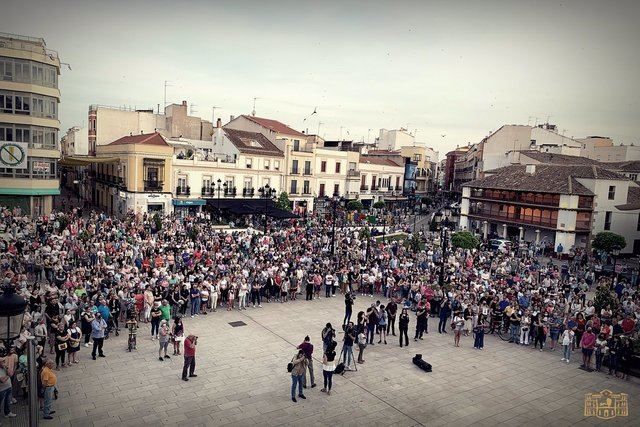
column 294, row 187
column 337, row 167
column 182, row 183
column 321, row 194
column 336, row 189
column 417, row 157
column 307, row 167
column 249, row 163
column 296, row 145
column 323, row 166
column 612, row 192
column 206, row 182
column 294, row 166
column 633, row 177
column 276, row 165
column 248, row 184
column 267, row 164
column 607, row 220
column 306, row 189
column 22, row 104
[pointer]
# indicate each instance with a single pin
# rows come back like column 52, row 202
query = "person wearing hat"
column 163, row 339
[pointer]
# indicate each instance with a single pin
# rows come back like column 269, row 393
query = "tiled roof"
column 555, row 179
column 147, row 139
column 274, row 125
column 376, row 160
column 633, row 199
column 383, row 153
column 558, row 159
column 629, row 166
column 245, row 142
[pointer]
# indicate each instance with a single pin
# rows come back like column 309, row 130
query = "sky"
column 449, row 71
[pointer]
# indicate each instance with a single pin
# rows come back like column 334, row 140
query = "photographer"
column 328, row 335
column 190, row 344
column 348, row 307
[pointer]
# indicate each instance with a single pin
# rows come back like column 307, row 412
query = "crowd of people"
column 87, row 276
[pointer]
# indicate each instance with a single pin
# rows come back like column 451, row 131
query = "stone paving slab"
column 242, row 379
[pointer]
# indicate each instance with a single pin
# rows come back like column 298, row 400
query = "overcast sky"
column 454, row 68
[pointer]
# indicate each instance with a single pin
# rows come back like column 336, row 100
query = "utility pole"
column 253, row 112
column 166, row 84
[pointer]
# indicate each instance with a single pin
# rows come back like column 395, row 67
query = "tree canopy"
column 608, row 242
column 464, row 240
column 283, row 202
column 355, row 205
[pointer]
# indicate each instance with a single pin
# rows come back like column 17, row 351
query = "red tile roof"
column 243, row 142
column 377, row 160
column 147, row 139
column 274, row 125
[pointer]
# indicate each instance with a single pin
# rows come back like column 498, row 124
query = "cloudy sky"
column 454, row 68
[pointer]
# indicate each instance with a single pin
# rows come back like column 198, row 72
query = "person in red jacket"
column 190, row 344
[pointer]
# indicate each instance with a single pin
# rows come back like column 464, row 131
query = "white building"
column 602, row 148
column 75, row 142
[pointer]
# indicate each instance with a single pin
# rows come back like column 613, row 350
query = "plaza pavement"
column 242, row 379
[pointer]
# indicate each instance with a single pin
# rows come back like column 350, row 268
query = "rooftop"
column 377, row 160
column 252, row 143
column 633, row 199
column 558, row 159
column 146, row 139
column 555, row 179
column 274, row 125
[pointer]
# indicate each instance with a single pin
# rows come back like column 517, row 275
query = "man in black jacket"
column 392, row 309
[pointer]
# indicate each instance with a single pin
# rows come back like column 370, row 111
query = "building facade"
column 29, row 124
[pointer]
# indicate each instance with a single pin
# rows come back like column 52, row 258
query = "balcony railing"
column 302, row 149
column 230, row 192
column 183, row 191
column 295, row 191
column 307, row 172
column 206, row 191
column 517, row 197
column 512, row 217
column 353, row 172
column 391, row 187
column 248, row 192
column 153, row 185
column 306, row 191
column 295, row 171
column 364, row 188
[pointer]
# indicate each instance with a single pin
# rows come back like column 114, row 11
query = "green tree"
column 283, row 202
column 365, row 233
column 379, row 204
column 355, row 205
column 464, row 240
column 605, row 297
column 608, row 242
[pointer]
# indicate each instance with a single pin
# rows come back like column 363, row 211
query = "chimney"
column 184, row 103
column 231, row 118
column 219, row 123
column 530, row 169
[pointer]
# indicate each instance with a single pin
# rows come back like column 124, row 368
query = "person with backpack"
column 403, row 325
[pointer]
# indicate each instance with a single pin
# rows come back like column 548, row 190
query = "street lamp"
column 267, row 193
column 443, row 243
column 334, row 202
column 615, row 252
column 12, row 308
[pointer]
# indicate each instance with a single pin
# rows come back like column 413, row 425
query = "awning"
column 189, row 202
column 250, row 207
column 86, row 160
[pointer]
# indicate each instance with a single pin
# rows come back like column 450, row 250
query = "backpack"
column 340, row 368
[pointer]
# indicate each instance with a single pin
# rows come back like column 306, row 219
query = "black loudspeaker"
column 420, row 363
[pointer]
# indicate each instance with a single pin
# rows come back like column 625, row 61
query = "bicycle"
column 499, row 326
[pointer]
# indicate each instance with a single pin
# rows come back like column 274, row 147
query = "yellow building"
column 134, row 173
column 29, row 124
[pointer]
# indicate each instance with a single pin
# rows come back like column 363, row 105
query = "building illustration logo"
column 13, row 155
column 606, row 405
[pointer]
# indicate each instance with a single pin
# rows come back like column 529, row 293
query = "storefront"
column 189, row 207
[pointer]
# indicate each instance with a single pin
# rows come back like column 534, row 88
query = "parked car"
column 501, row 245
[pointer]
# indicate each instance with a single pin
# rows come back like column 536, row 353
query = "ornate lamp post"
column 443, row 243
column 267, row 193
column 334, row 206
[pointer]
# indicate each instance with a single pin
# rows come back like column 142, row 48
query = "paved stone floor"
column 242, row 379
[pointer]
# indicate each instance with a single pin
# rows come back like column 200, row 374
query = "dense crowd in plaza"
column 86, row 277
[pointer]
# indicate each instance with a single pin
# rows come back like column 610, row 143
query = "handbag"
column 62, row 346
column 290, row 365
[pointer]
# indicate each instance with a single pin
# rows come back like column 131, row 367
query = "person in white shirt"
column 567, row 340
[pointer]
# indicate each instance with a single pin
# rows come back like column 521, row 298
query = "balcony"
column 529, row 199
column 152, row 185
column 364, row 188
column 230, row 192
column 353, row 172
column 519, row 219
column 295, row 191
column 295, row 172
column 391, row 187
column 307, row 172
column 300, row 149
column 248, row 192
column 207, row 191
column 183, row 191
column 306, row 191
